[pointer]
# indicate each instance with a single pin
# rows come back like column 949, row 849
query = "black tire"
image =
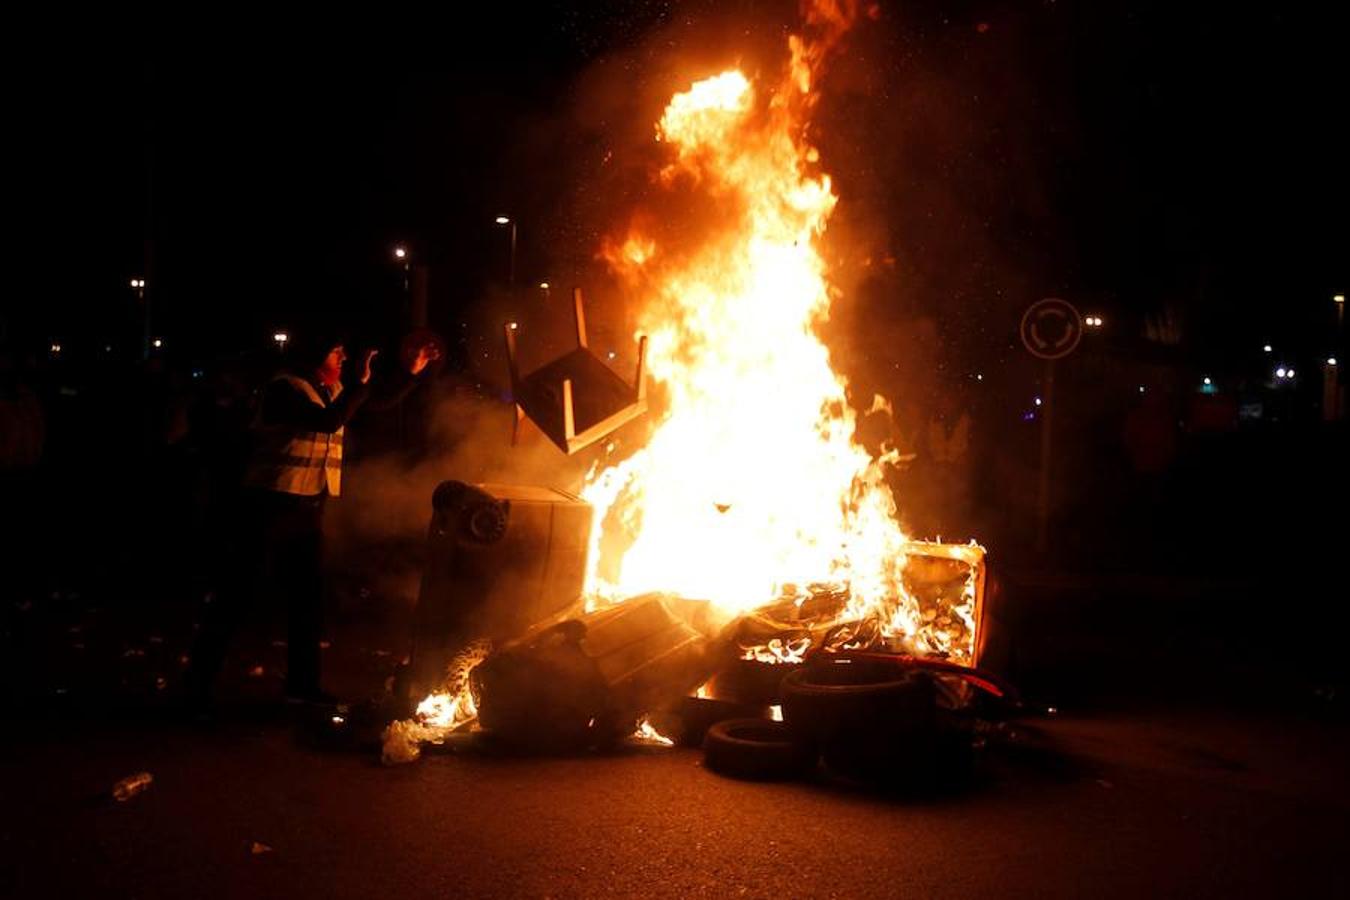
column 698, row 714
column 750, row 681
column 756, row 749
column 872, row 721
column 843, row 696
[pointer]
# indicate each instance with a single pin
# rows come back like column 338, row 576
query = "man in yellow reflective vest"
column 295, row 466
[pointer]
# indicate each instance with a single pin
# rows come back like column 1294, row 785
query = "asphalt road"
column 1150, row 803
column 1187, row 759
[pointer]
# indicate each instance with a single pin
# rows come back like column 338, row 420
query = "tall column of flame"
column 753, row 479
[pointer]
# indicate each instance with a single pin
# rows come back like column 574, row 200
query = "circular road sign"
column 1051, row 328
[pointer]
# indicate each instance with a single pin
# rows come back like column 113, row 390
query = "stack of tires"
column 867, row 719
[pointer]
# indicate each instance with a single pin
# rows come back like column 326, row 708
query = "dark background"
column 1174, row 168
column 1130, row 156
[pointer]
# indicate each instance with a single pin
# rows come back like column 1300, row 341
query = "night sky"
column 1134, row 157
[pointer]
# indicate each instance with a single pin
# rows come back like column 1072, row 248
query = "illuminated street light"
column 56, row 349
column 400, row 253
column 1331, row 361
column 511, row 274
column 514, row 326
column 1291, row 373
column 1281, row 372
column 1207, row 381
column 543, row 285
column 281, row 338
column 1038, row 401
column 157, row 343
column 1267, row 348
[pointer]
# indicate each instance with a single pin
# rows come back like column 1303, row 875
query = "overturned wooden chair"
column 576, row 399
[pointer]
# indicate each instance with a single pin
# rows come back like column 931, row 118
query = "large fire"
column 753, row 486
column 753, row 482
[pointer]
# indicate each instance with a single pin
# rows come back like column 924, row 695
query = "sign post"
column 1050, row 330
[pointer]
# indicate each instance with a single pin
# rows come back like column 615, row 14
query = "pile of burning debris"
column 740, row 578
column 767, row 694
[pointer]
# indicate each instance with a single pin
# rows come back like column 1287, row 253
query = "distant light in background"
column 503, row 220
column 1339, row 298
column 1267, row 348
column 1207, row 381
column 281, row 338
column 612, row 354
column 1093, row 321
column 1280, row 372
column 157, row 343
column 1331, row 361
column 1141, row 388
column 1291, row 373
column 513, row 326
column 400, row 253
column 543, row 285
column 979, row 378
column 56, row 349
column 1038, row 401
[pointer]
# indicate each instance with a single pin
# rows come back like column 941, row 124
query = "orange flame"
column 753, row 478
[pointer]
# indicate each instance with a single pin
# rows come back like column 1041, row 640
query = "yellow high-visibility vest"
column 292, row 461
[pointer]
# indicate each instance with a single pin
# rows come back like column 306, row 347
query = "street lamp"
column 508, row 220
column 282, row 338
column 138, row 285
column 1267, row 348
column 1339, row 300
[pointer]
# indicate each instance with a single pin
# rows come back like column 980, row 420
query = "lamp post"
column 511, row 273
column 138, row 285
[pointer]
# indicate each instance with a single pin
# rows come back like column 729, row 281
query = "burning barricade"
column 767, row 693
column 741, row 578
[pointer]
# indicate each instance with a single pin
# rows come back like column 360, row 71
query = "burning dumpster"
column 500, row 559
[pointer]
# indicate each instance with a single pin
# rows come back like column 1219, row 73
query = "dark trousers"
column 278, row 553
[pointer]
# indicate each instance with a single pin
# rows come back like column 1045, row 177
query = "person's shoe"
column 310, row 697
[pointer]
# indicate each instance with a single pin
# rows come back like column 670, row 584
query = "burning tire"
column 756, row 749
column 871, row 720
